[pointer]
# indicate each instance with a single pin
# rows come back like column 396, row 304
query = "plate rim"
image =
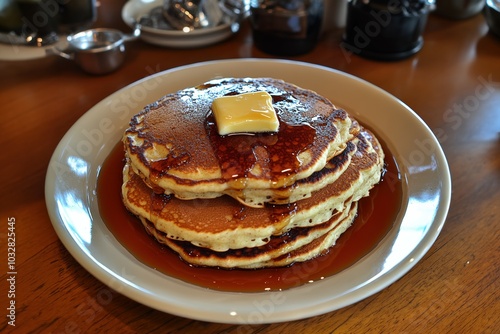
column 105, row 276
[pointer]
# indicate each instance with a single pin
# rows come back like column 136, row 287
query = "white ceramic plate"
column 134, row 9
column 73, row 169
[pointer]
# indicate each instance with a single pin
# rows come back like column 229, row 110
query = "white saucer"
column 133, row 10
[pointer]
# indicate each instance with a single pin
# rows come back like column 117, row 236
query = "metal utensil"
column 97, row 51
column 192, row 14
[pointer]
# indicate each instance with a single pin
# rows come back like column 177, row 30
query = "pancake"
column 302, row 188
column 174, row 146
column 223, row 223
column 296, row 245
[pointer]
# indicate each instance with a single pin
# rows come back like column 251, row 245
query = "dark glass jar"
column 286, row 27
column 385, row 29
column 77, row 15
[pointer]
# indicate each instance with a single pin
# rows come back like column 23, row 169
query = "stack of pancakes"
column 247, row 200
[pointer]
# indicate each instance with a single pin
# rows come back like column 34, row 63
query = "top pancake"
column 174, row 146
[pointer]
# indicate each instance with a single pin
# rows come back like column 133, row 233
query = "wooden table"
column 453, row 84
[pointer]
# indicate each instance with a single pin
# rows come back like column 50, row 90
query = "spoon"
column 188, row 15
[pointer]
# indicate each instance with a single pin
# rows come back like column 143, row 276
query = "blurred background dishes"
column 492, row 15
column 458, row 9
column 155, row 29
column 334, row 15
column 41, row 23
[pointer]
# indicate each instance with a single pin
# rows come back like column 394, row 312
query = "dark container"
column 385, row 29
column 286, row 28
column 77, row 15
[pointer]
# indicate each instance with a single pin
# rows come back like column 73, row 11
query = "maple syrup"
column 376, row 215
column 238, row 153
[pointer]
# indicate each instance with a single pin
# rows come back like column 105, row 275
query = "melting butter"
column 245, row 113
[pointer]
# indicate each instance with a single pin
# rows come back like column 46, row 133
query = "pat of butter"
column 245, row 113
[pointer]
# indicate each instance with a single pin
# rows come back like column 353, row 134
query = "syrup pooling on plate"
column 376, row 215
